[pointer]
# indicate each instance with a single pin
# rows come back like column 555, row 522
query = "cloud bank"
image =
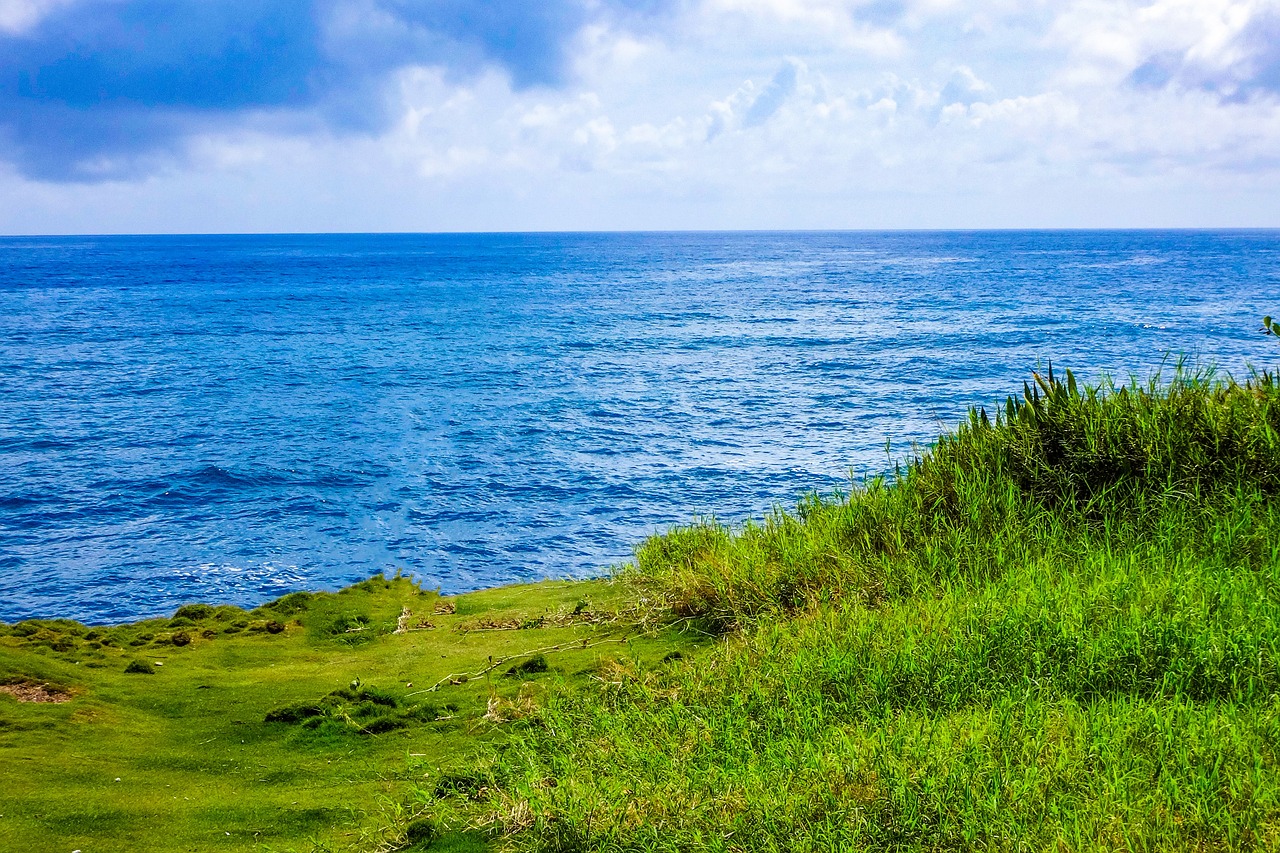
column 93, row 89
column 495, row 114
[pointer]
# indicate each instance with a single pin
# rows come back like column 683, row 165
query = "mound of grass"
column 531, row 666
column 192, row 613
column 1056, row 629
column 356, row 710
column 291, row 604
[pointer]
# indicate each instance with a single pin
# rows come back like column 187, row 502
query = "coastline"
column 1059, row 626
column 414, row 401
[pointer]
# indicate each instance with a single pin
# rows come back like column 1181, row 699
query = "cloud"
column 369, row 114
column 749, row 107
column 1229, row 48
column 964, row 87
column 1243, row 65
column 1251, row 68
column 17, row 16
column 96, row 89
column 774, row 95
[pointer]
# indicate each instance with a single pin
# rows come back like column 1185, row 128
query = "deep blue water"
column 227, row 418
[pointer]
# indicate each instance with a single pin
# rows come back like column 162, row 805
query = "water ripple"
column 228, row 418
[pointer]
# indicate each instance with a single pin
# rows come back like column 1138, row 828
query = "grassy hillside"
column 1056, row 630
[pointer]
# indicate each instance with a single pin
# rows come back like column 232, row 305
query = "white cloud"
column 1230, row 47
column 19, row 16
column 964, row 87
column 751, row 105
column 768, row 113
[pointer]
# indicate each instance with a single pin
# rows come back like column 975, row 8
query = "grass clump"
column 354, row 710
column 1060, row 467
column 1058, row 628
column 532, row 666
column 192, row 613
column 291, row 604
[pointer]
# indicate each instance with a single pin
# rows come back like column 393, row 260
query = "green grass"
column 302, row 725
column 1056, row 630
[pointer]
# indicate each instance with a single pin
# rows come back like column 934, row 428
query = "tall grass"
column 1112, row 464
column 1058, row 629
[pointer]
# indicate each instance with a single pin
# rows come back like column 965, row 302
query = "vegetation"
column 303, row 725
column 1056, row 629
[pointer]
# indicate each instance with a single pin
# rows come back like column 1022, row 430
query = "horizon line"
column 656, row 231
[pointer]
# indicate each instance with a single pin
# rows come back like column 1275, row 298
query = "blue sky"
column 438, row 115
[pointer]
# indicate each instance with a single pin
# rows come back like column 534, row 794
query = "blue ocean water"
column 227, row 418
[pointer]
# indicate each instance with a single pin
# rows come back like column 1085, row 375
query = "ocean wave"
column 222, row 418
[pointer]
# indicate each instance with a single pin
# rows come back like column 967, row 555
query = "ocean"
column 227, row 418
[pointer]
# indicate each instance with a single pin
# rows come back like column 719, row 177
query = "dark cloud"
column 1255, row 74
column 105, row 88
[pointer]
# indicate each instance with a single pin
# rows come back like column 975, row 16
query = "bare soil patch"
column 29, row 692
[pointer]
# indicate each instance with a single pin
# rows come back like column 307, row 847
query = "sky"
column 188, row 116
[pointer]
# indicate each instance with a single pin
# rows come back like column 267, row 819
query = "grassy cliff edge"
column 1057, row 629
